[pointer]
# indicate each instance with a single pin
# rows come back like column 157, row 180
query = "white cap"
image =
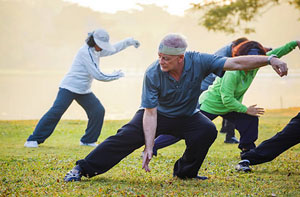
column 101, row 38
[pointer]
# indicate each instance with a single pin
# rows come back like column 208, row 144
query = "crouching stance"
column 273, row 147
column 171, row 89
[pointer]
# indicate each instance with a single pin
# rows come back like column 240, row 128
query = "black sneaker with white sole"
column 243, row 166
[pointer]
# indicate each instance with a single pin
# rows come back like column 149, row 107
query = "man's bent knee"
column 211, row 131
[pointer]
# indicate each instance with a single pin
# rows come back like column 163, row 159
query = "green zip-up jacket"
column 226, row 94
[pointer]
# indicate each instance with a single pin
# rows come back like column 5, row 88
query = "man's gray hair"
column 173, row 44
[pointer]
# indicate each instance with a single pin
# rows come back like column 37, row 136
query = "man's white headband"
column 170, row 50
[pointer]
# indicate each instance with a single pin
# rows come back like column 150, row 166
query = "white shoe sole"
column 31, row 145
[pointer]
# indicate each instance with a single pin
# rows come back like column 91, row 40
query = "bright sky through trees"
column 176, row 7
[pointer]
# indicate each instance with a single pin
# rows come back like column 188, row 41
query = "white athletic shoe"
column 31, row 144
column 88, row 144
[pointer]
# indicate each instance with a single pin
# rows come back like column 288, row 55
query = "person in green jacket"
column 224, row 97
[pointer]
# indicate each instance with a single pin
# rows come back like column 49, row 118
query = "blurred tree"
column 232, row 16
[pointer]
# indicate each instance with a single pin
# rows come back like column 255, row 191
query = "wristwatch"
column 270, row 57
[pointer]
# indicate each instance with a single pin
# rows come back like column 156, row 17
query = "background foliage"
column 235, row 15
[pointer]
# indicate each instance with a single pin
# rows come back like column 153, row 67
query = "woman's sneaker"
column 31, row 144
column 243, row 166
column 74, row 175
column 88, row 144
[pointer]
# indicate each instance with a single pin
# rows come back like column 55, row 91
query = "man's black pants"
column 271, row 148
column 198, row 131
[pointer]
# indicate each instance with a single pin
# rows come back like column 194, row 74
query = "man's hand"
column 147, row 156
column 255, row 111
column 279, row 66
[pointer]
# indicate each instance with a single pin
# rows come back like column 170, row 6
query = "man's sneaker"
column 88, row 144
column 243, row 166
column 74, row 175
column 31, row 144
column 201, row 177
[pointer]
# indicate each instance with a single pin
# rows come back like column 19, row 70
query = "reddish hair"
column 238, row 41
column 244, row 48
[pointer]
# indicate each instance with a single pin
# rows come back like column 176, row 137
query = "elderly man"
column 171, row 89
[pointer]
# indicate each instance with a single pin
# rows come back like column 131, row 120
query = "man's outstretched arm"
column 250, row 62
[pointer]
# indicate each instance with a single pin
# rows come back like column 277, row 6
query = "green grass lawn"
column 40, row 171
